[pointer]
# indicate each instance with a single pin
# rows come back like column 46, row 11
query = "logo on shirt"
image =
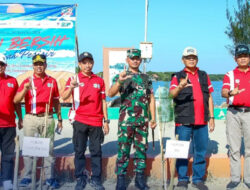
column 237, row 81
column 81, row 84
column 10, row 85
column 95, row 85
column 50, row 85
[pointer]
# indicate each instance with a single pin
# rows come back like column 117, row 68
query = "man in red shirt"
column 37, row 91
column 8, row 89
column 191, row 90
column 90, row 120
column 236, row 88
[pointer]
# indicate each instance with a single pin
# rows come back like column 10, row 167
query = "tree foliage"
column 239, row 28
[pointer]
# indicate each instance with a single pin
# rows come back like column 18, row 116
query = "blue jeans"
column 199, row 136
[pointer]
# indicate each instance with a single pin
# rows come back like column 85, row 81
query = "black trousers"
column 81, row 134
column 7, row 145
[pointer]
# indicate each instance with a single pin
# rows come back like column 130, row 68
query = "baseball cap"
column 134, row 53
column 189, row 51
column 241, row 49
column 39, row 58
column 85, row 55
column 3, row 58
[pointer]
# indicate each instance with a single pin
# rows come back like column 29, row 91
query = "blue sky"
column 172, row 25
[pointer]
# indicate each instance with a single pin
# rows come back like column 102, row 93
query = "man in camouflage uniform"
column 137, row 100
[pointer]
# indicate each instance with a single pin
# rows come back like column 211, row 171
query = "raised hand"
column 28, row 85
column 152, row 124
column 73, row 83
column 123, row 75
column 236, row 90
column 105, row 128
column 184, row 82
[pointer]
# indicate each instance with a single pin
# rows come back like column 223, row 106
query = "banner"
column 29, row 29
column 114, row 60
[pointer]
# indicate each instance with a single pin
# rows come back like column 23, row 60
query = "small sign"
column 33, row 146
column 177, row 149
column 146, row 50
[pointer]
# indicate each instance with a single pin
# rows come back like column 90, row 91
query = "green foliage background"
column 166, row 76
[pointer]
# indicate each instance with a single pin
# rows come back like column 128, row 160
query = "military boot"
column 140, row 181
column 120, row 185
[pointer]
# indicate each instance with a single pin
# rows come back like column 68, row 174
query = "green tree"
column 239, row 29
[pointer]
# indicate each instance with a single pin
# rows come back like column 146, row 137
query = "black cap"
column 39, row 58
column 241, row 49
column 85, row 55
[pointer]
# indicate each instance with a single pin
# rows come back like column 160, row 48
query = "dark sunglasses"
column 242, row 55
column 190, row 57
column 2, row 64
column 38, row 64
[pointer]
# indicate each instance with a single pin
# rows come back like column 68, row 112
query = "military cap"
column 134, row 53
column 39, row 58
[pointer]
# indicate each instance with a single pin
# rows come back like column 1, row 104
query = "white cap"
column 189, row 51
column 3, row 58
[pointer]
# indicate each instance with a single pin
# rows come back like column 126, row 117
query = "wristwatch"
column 106, row 121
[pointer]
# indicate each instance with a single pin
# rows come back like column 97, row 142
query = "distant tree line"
column 166, row 76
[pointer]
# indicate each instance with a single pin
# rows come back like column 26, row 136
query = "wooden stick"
column 47, row 107
column 15, row 181
column 33, row 186
column 159, row 114
column 173, row 166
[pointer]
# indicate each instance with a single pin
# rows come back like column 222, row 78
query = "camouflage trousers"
column 126, row 135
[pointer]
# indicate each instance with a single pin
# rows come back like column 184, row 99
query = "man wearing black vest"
column 191, row 90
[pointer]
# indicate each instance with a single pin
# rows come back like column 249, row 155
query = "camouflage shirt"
column 135, row 97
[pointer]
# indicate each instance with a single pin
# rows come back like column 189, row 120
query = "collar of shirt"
column 128, row 72
column 237, row 70
column 195, row 72
column 81, row 75
column 44, row 79
column 3, row 76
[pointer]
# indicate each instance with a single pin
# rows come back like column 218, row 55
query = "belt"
column 240, row 108
column 39, row 114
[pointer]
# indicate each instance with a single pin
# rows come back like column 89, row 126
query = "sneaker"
column 232, row 185
column 25, row 182
column 81, row 183
column 96, row 184
column 182, row 185
column 53, row 183
column 247, row 184
column 7, row 185
column 200, row 186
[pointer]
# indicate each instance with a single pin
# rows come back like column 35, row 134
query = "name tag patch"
column 95, row 85
column 50, row 85
column 10, row 85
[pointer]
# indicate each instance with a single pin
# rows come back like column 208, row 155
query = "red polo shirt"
column 8, row 89
column 36, row 98
column 243, row 80
column 92, row 92
column 197, row 94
